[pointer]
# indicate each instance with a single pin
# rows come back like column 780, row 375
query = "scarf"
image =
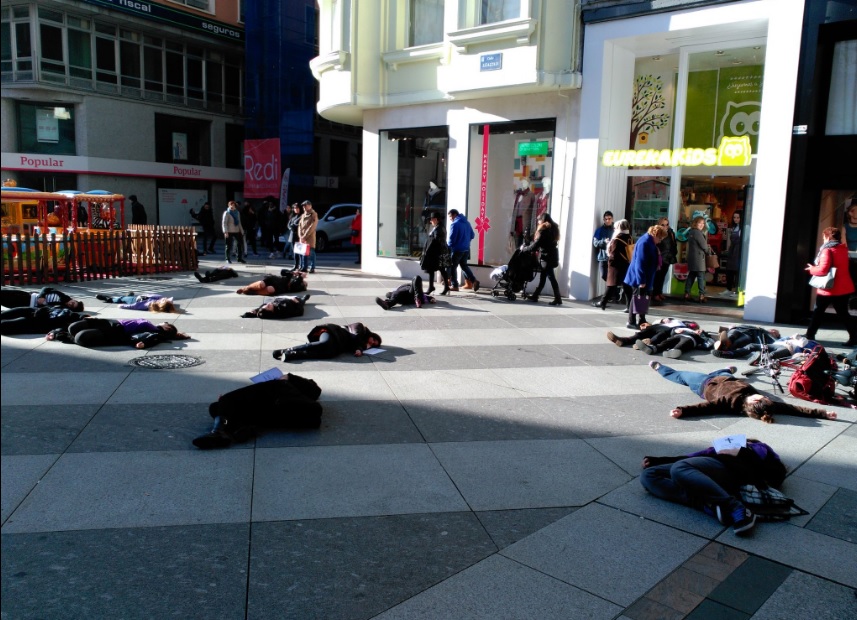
column 235, row 215
column 826, row 246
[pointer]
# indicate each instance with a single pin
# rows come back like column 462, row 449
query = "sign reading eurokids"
column 261, row 168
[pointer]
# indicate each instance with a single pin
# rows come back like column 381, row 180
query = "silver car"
column 334, row 226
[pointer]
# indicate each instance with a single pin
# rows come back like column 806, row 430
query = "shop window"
column 515, row 165
column 182, row 140
column 46, row 128
column 426, row 22
column 841, row 111
column 413, row 176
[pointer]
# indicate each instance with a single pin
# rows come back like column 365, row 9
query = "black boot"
column 556, row 302
column 218, row 437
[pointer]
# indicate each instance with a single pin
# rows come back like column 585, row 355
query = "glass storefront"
column 691, row 153
column 413, row 165
column 509, row 185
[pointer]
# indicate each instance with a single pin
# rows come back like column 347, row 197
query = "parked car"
column 334, row 225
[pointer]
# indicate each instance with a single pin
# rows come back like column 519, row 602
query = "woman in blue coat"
column 641, row 273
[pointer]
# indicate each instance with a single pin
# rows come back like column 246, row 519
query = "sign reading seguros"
column 733, row 151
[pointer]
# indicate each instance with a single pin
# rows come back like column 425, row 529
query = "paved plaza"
column 485, row 465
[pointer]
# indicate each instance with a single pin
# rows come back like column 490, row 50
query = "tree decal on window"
column 648, row 100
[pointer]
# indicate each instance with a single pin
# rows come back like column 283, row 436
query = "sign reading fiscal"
column 733, row 151
column 539, row 147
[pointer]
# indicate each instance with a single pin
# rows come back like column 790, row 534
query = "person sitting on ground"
column 724, row 393
column 648, row 330
column 287, row 402
column 16, row 321
column 14, row 298
column 678, row 341
column 279, row 308
column 410, row 294
column 329, row 340
column 151, row 303
column 738, row 336
column 275, row 285
column 709, row 480
column 213, row 275
column 138, row 333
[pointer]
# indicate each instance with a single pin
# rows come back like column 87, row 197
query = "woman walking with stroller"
column 436, row 255
column 546, row 241
column 618, row 262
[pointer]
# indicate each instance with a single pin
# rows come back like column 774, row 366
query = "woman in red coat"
column 357, row 234
column 833, row 253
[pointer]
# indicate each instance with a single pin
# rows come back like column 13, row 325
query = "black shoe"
column 217, row 437
column 304, row 298
column 633, row 326
column 383, row 303
column 312, row 270
column 101, row 297
column 241, row 260
column 475, row 285
column 533, row 298
column 599, row 303
column 198, row 276
column 555, row 302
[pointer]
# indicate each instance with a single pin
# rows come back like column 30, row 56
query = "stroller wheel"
column 495, row 293
column 511, row 296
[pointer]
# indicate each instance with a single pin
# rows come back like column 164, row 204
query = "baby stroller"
column 521, row 270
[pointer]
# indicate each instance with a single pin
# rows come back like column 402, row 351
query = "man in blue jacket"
column 460, row 235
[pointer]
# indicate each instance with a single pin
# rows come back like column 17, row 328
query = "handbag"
column 639, row 301
column 712, row 261
column 769, row 504
column 302, row 248
column 824, row 282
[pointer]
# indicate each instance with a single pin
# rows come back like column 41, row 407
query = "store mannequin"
column 435, row 197
column 544, row 198
column 522, row 214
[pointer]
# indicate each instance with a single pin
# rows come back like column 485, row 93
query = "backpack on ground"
column 769, row 504
column 811, row 381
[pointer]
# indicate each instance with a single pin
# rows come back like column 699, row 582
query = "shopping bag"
column 302, row 248
column 639, row 301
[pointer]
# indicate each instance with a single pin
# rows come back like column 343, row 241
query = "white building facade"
column 498, row 110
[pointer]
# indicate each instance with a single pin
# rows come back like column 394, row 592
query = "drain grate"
column 167, row 362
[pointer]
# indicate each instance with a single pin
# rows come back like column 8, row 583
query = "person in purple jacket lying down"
column 138, row 333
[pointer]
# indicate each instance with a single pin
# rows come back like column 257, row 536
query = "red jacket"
column 837, row 256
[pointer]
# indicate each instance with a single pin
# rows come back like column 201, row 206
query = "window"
column 338, row 158
column 195, row 134
column 426, row 22
column 175, row 71
column 411, row 161
column 494, row 11
column 129, row 59
column 44, row 128
column 105, row 54
column 202, row 5
column 194, row 75
column 153, row 70
column 214, row 80
column 79, row 53
column 841, row 111
column 53, row 60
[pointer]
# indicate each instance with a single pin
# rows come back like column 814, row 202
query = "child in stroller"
column 514, row 277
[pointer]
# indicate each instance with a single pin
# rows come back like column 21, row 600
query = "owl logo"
column 741, row 119
column 734, row 151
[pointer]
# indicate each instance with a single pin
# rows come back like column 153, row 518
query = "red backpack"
column 811, row 381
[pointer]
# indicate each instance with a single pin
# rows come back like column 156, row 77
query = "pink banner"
column 483, row 224
column 261, row 168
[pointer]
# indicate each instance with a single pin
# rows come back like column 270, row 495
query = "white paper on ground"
column 730, row 442
column 373, row 351
column 268, row 375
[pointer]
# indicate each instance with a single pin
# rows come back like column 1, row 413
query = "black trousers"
column 840, row 304
column 13, row 298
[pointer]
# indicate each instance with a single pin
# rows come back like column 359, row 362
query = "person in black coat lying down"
column 239, row 415
column 279, row 308
column 410, row 294
column 17, row 321
column 213, row 275
column 329, row 340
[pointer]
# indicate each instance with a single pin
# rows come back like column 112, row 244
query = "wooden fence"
column 97, row 254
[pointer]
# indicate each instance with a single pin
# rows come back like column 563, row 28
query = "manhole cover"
column 167, row 362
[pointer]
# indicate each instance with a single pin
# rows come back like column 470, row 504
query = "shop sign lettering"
column 733, row 151
column 41, row 162
column 261, row 168
column 181, row 171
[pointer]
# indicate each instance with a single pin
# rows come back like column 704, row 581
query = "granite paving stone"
column 807, row 596
column 19, row 475
column 509, row 526
column 358, row 567
column 500, row 475
column 133, row 573
column 42, row 429
column 331, row 481
column 606, row 552
column 116, row 489
column 750, row 584
column 838, row 517
column 501, row 588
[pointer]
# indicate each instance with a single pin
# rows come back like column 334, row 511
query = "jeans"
column 235, row 240
column 459, row 259
column 693, row 482
column 695, row 275
column 694, row 380
column 308, row 262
